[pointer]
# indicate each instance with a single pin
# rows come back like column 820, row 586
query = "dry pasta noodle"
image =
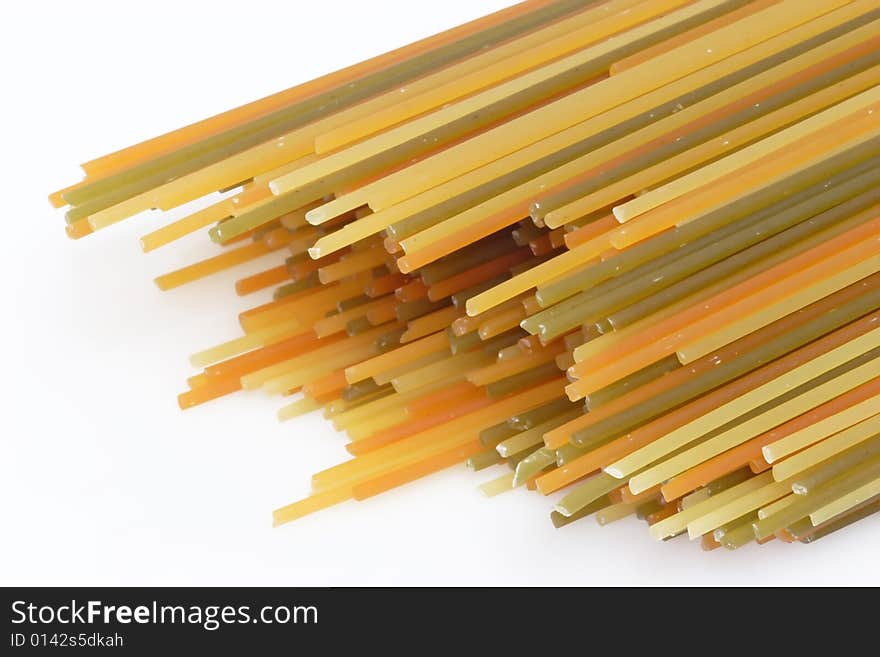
column 628, row 250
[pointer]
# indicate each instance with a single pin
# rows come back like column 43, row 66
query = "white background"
column 104, row 480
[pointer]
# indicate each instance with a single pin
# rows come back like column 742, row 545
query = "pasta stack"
column 628, row 248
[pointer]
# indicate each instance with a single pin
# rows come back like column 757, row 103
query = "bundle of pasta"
column 628, row 248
